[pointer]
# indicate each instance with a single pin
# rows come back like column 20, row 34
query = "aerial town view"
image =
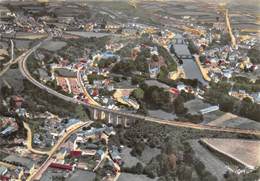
column 129, row 90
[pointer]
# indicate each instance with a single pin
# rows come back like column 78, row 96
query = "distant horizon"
column 216, row 1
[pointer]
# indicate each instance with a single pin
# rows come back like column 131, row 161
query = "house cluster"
column 8, row 126
column 18, row 22
column 51, row 130
column 67, row 80
column 16, row 168
column 87, row 150
column 155, row 61
column 163, row 37
column 87, row 72
column 123, row 96
column 226, row 63
column 241, row 94
column 223, row 61
column 181, row 87
column 14, row 107
column 219, row 59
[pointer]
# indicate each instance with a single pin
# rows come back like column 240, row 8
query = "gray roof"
column 28, row 163
column 2, row 170
column 2, row 8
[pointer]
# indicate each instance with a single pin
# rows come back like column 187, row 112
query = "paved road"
column 232, row 37
column 86, row 94
column 25, row 72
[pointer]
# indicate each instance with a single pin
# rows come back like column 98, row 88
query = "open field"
column 128, row 158
column 246, row 152
column 149, row 153
column 195, row 105
column 3, row 53
column 81, row 175
column 88, row 34
column 22, row 44
column 128, row 176
column 161, row 114
column 53, row 45
column 14, row 78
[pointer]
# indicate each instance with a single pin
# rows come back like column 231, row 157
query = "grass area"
column 3, row 155
column 124, row 7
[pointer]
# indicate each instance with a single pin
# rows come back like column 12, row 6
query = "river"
column 192, row 71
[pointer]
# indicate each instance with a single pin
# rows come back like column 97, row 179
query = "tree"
column 163, row 73
column 139, row 168
column 172, row 50
column 184, row 173
column 202, row 58
column 225, row 39
column 187, row 96
column 104, row 63
column 81, row 113
column 199, row 166
column 192, row 47
column 142, row 109
column 253, row 54
column 136, row 80
column 138, row 149
column 138, row 94
column 252, row 176
column 141, row 63
column 3, row 109
column 124, row 67
column 92, row 77
column 192, row 82
column 152, row 167
column 5, row 91
column 207, row 176
column 179, row 105
column 164, row 164
column 157, row 98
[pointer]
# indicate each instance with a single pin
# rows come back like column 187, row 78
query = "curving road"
column 26, row 73
column 86, row 94
column 29, row 141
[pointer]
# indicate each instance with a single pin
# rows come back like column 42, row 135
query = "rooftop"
column 3, row 170
column 23, row 161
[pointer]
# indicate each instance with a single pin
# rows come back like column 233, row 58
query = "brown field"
column 246, row 152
